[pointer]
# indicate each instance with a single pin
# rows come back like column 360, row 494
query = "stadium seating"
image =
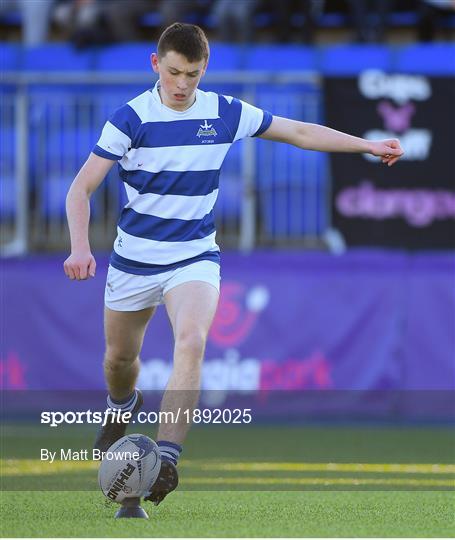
column 10, row 57
column 136, row 57
column 125, row 57
column 434, row 59
column 56, row 57
column 328, row 19
column 438, row 58
column 350, row 59
column 280, row 58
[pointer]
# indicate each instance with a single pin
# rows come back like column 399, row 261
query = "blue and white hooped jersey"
column 170, row 164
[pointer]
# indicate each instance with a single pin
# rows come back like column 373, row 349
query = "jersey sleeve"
column 242, row 119
column 253, row 121
column 117, row 134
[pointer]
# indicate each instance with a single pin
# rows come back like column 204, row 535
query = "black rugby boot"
column 113, row 431
column 167, row 481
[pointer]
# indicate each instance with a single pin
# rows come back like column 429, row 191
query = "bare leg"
column 124, row 332
column 191, row 307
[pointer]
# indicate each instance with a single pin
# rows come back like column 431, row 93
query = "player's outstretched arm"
column 324, row 139
column 81, row 263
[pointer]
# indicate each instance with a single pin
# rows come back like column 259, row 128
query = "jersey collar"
column 157, row 97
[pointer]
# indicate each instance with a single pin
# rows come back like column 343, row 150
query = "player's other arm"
column 81, row 263
column 325, row 139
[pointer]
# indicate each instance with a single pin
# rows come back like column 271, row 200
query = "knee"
column 119, row 359
column 191, row 343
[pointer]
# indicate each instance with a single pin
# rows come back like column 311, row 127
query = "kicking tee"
column 170, row 164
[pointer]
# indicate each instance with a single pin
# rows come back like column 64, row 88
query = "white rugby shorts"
column 131, row 292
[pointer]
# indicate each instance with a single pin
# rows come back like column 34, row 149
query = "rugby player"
column 170, row 143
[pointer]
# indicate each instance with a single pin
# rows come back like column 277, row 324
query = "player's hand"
column 80, row 265
column 389, row 150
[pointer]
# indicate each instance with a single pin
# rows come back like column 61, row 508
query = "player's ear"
column 204, row 69
column 154, row 62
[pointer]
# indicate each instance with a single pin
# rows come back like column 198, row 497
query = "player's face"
column 179, row 79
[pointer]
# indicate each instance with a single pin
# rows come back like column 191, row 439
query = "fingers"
column 393, row 160
column 76, row 272
column 83, row 271
column 92, row 267
column 389, row 150
column 392, row 152
column 69, row 270
column 79, row 271
column 390, row 160
column 393, row 148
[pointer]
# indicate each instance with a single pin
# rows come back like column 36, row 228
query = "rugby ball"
column 129, row 467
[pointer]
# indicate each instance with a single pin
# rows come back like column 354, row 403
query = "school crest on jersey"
column 206, row 130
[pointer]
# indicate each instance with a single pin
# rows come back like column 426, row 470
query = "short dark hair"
column 188, row 40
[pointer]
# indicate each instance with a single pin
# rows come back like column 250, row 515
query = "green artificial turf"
column 234, row 514
column 326, row 481
column 345, row 443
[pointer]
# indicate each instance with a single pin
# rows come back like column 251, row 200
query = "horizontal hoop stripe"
column 171, row 206
column 156, row 252
column 165, row 230
column 167, row 445
column 230, row 112
column 143, row 269
column 176, row 158
column 114, row 141
column 104, row 154
column 266, row 121
column 125, row 406
column 126, row 120
column 192, row 183
column 182, row 133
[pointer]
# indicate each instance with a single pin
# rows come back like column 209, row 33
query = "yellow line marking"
column 410, row 468
column 15, row 467
column 427, row 482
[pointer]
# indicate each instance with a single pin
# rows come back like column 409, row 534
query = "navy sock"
column 125, row 405
column 169, row 451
